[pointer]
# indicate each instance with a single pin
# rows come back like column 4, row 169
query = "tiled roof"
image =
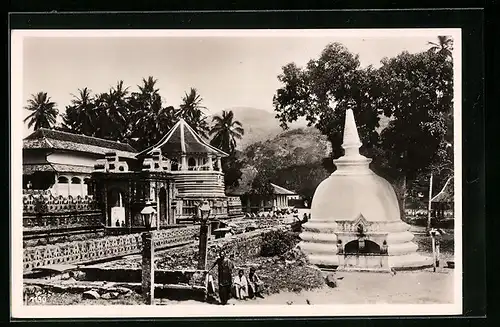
column 446, row 194
column 51, row 139
column 183, row 139
column 281, row 190
column 61, row 168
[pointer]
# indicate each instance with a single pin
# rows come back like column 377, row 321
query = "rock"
column 114, row 295
column 331, row 280
column 123, row 290
column 91, row 295
column 106, row 296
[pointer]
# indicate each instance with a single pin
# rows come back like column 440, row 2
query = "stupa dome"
column 346, row 197
column 355, row 218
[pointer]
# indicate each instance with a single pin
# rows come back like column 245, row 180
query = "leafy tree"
column 191, row 110
column 81, row 116
column 225, row 131
column 324, row 89
column 261, row 187
column 414, row 90
column 231, row 166
column 417, row 92
column 149, row 119
column 44, row 112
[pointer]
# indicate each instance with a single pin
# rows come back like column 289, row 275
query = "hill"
column 259, row 125
column 292, row 159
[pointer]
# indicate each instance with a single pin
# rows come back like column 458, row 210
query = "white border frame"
column 18, row 310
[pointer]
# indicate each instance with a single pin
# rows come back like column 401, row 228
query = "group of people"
column 240, row 286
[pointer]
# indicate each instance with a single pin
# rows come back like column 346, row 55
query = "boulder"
column 114, row 295
column 331, row 280
column 91, row 295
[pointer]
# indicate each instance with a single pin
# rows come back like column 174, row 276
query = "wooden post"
column 202, row 248
column 433, row 250
column 430, row 204
column 437, row 253
column 148, row 271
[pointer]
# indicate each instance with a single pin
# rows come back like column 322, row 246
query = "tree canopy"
column 414, row 91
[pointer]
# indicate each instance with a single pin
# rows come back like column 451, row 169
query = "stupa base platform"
column 371, row 263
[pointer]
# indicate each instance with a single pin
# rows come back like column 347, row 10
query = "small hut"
column 443, row 203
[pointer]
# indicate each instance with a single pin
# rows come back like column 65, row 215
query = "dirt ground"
column 291, row 281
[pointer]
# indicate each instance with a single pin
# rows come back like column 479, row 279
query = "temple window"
column 174, row 165
column 75, row 180
column 62, row 180
column 191, row 163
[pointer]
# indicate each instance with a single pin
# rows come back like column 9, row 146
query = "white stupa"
column 355, row 219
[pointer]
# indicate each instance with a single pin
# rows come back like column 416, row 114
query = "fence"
column 103, row 248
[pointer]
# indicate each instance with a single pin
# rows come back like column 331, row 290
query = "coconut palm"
column 444, row 46
column 81, row 115
column 149, row 120
column 191, row 111
column 113, row 112
column 225, row 131
column 44, row 112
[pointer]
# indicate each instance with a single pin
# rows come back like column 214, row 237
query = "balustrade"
column 103, row 248
column 37, row 202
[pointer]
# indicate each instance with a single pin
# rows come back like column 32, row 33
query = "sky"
column 227, row 71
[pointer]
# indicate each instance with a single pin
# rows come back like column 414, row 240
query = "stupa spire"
column 352, row 142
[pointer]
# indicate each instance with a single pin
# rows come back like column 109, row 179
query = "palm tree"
column 191, row 111
column 113, row 112
column 226, row 130
column 44, row 112
column 444, row 46
column 149, row 120
column 81, row 114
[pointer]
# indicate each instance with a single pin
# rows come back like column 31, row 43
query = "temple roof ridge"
column 182, row 138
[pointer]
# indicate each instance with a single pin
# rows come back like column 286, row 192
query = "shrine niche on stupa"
column 355, row 218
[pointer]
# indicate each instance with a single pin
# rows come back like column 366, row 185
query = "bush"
column 278, row 242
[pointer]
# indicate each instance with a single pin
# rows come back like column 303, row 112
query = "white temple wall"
column 79, row 159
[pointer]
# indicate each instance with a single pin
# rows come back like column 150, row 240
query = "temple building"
column 195, row 167
column 355, row 219
column 63, row 162
column 171, row 178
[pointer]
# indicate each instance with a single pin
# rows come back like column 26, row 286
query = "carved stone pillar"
column 210, row 163
column 219, row 165
column 148, row 272
column 184, row 165
column 105, row 197
column 128, row 208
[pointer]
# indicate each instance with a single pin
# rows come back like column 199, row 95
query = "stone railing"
column 103, row 248
column 62, row 221
column 41, row 202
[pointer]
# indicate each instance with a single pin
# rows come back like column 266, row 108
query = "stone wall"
column 61, row 221
column 242, row 246
column 103, row 248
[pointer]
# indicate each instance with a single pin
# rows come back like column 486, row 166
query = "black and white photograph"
column 199, row 173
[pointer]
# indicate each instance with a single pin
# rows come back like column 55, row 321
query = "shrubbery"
column 278, row 242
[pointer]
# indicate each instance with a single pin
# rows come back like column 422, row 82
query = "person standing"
column 225, row 272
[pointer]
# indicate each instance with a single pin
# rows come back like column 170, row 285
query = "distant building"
column 63, row 162
column 443, row 203
column 251, row 203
